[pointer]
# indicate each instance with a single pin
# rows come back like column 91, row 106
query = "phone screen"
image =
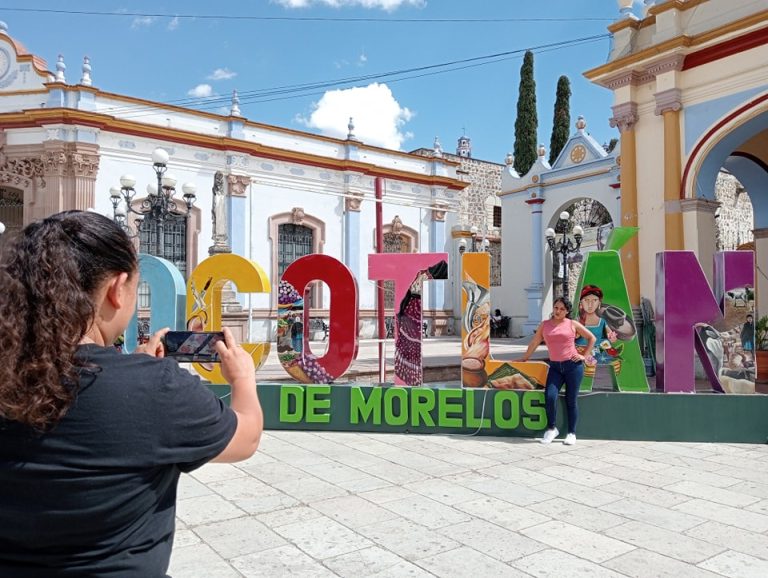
column 192, row 346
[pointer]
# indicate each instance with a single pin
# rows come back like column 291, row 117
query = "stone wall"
column 734, row 216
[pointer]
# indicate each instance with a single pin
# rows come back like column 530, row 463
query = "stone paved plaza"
column 361, row 504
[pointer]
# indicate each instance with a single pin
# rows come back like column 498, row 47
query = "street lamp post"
column 159, row 206
column 564, row 246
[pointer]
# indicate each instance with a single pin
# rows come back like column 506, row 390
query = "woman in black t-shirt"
column 92, row 442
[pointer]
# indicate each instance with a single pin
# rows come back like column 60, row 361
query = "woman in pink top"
column 566, row 365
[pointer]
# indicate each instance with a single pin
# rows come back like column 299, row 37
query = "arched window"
column 293, row 241
column 397, row 239
column 295, row 234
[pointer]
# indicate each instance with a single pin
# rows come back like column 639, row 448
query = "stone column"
column 699, row 230
column 352, row 233
column 437, row 245
column 625, row 117
column 69, row 172
column 761, row 261
column 535, row 291
column 668, row 104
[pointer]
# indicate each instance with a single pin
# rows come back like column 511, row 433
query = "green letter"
column 315, row 403
column 288, row 392
column 389, row 406
column 535, row 413
column 472, row 419
column 444, row 407
column 512, row 399
column 359, row 407
column 422, row 402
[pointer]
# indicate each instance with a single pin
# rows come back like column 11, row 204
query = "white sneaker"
column 570, row 439
column 549, row 435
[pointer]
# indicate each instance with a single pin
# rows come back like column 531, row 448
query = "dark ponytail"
column 49, row 273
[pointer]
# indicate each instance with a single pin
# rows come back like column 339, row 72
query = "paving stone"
column 671, row 544
column 737, row 565
column 492, row 540
column 238, row 537
column 577, row 493
column 184, row 537
column 403, row 570
column 578, row 514
column 642, row 564
column 252, row 495
column 309, row 489
column 388, row 494
column 725, row 514
column 706, row 492
column 708, row 478
column 189, row 487
column 577, row 541
column 677, row 521
column 407, row 539
column 283, row 561
column 199, row 560
column 443, row 491
column 466, row 562
column 510, row 492
column 395, row 473
column 634, row 462
column 752, row 489
column 323, row 537
column 760, row 507
column 657, row 479
column 287, row 516
column 353, row 511
column 333, row 472
column 733, row 538
column 426, row 512
column 365, row 562
column 548, row 563
column 206, row 509
column 577, row 476
column 365, row 483
column 501, row 513
column 650, row 495
column 216, row 472
column 515, row 474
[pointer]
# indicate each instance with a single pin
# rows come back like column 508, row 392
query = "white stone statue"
column 219, row 215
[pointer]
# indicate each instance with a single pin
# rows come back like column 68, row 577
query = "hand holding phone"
column 237, row 365
column 193, row 347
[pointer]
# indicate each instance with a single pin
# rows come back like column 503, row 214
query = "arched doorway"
column 595, row 219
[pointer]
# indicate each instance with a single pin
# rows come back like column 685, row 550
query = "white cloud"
column 362, row 59
column 201, row 91
column 141, row 21
column 388, row 5
column 379, row 119
column 221, row 74
column 174, row 23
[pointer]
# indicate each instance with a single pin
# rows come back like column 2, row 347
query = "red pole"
column 380, row 284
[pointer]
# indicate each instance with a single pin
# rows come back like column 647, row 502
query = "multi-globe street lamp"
column 159, row 206
column 565, row 246
column 479, row 243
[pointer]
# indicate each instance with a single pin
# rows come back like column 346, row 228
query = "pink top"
column 560, row 339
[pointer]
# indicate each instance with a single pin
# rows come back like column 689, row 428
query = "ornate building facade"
column 285, row 193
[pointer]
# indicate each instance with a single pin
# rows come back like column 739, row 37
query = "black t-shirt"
column 96, row 496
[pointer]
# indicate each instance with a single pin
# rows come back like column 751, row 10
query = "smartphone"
column 192, row 346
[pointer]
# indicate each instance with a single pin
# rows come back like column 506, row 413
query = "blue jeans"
column 570, row 373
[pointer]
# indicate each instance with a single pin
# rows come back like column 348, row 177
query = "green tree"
column 527, row 122
column 561, row 123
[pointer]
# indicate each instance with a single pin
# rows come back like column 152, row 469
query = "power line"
column 307, row 18
column 286, row 92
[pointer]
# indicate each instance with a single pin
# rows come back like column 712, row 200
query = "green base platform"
column 451, row 410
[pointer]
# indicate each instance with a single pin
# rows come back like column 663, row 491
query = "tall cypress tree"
column 561, row 123
column 527, row 121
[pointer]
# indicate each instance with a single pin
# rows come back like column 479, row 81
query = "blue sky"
column 168, row 58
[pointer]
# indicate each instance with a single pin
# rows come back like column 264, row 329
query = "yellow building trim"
column 41, row 117
column 555, row 182
column 683, row 41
